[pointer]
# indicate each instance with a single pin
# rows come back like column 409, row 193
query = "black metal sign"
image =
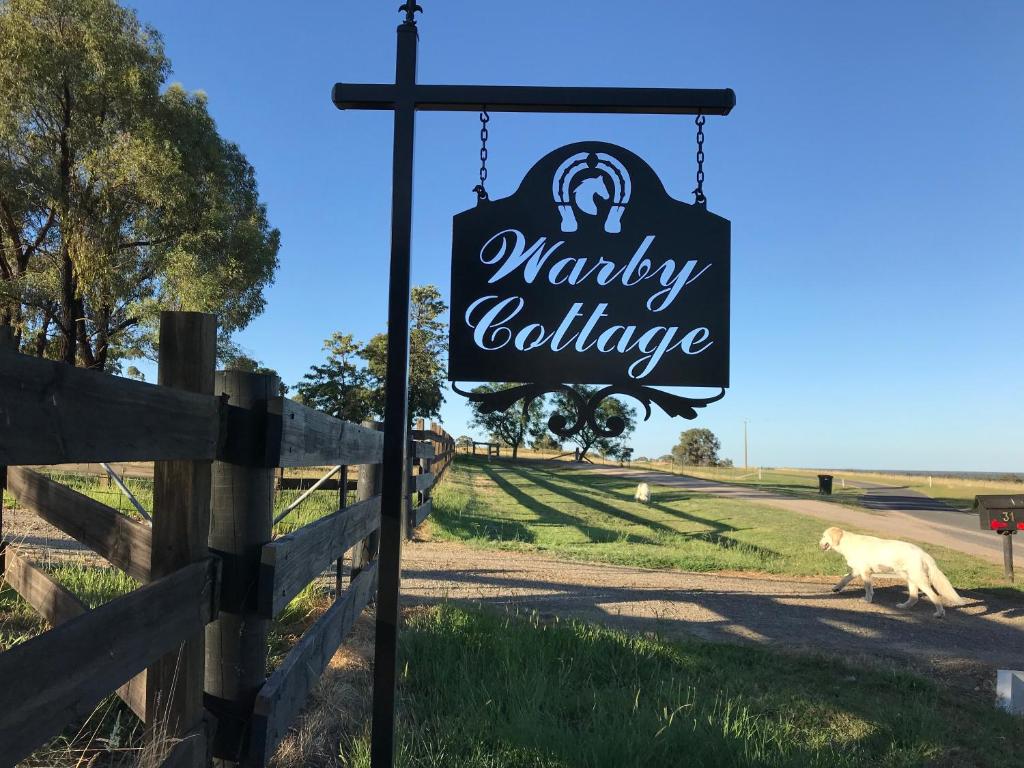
column 593, row 192
column 590, row 273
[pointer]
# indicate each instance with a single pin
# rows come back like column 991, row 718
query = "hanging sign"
column 590, row 273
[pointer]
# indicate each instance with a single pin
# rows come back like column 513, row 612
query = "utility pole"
column 745, row 466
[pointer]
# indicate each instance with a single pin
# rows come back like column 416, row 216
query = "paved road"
column 891, row 512
column 895, row 498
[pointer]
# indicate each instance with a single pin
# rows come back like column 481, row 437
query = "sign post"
column 1005, row 516
column 405, row 97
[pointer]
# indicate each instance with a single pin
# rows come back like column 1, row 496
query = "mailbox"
column 1004, row 514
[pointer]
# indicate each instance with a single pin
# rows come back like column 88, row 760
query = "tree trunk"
column 586, row 447
column 85, row 347
column 68, row 293
column 44, row 330
column 69, row 326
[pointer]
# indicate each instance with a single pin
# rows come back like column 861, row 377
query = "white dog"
column 867, row 555
column 643, row 494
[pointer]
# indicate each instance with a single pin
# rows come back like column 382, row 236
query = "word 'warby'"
column 507, row 250
column 590, row 273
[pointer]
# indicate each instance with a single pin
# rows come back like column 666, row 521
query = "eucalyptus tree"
column 351, row 381
column 609, row 408
column 428, row 350
column 513, row 426
column 118, row 196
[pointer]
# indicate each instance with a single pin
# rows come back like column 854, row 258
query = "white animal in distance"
column 643, row 493
column 867, row 555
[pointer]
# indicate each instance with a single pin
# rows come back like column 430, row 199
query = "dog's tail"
column 941, row 584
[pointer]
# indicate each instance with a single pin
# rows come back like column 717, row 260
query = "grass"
column 481, row 690
column 112, row 735
column 318, row 504
column 576, row 514
column 957, row 492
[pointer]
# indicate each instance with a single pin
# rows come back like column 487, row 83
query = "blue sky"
column 873, row 171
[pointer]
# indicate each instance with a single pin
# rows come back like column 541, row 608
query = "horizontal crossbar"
column 534, row 98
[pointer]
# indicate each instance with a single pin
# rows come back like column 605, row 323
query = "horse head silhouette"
column 585, row 195
column 603, row 177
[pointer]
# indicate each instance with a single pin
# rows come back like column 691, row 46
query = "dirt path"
column 784, row 612
column 945, row 527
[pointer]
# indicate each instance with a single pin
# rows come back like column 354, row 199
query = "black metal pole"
column 1008, row 556
column 396, row 404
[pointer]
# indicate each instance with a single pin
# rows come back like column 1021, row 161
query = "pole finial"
column 411, row 9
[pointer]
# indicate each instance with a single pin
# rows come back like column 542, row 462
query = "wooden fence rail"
column 287, row 689
column 56, row 414
column 290, row 562
column 60, row 676
column 118, row 539
column 208, row 565
column 57, row 604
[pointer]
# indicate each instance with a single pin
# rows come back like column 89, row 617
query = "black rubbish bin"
column 825, row 484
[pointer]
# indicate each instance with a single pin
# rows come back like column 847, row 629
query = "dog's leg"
column 843, row 582
column 869, row 589
column 940, row 611
column 911, row 600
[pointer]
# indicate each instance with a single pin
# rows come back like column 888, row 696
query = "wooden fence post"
column 435, row 428
column 240, row 524
column 6, row 343
column 368, row 485
column 342, row 503
column 181, row 524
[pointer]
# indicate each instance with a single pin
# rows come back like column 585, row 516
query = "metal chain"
column 481, row 188
column 698, row 193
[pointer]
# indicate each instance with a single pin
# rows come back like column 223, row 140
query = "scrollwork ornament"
column 587, row 407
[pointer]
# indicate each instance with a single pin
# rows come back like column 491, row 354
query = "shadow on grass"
column 541, row 479
column 775, row 615
column 549, row 515
column 739, row 706
column 717, row 533
column 469, row 526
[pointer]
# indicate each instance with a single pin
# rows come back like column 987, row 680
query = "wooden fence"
column 186, row 650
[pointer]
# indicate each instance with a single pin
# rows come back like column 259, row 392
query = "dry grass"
column 338, row 708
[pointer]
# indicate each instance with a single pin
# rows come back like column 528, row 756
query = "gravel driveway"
column 784, row 612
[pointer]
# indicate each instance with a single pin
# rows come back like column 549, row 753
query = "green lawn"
column 579, row 515
column 480, row 690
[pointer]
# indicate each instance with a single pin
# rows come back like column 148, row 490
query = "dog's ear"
column 835, row 535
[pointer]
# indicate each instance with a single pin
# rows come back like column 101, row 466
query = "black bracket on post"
column 586, row 407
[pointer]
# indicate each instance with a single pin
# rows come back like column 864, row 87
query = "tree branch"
column 40, row 236
column 145, row 243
